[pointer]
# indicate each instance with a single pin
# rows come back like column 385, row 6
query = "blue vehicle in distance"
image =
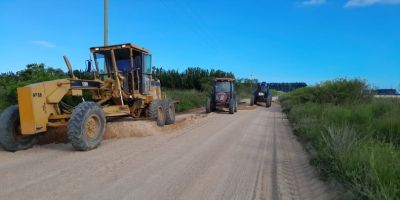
column 262, row 94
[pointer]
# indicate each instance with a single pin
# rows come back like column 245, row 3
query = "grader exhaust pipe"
column 71, row 73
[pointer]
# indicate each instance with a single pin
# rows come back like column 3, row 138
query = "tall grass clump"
column 356, row 137
column 187, row 99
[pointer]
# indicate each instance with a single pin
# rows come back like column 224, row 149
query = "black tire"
column 208, row 105
column 236, row 106
column 87, row 126
column 252, row 100
column 231, row 106
column 157, row 112
column 268, row 103
column 169, row 112
column 10, row 138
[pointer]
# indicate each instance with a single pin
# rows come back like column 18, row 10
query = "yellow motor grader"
column 123, row 84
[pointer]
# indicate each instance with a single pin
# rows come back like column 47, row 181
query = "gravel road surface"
column 249, row 155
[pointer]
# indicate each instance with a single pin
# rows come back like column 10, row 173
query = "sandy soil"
column 127, row 127
column 249, row 155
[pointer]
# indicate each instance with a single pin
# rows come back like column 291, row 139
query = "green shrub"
column 9, row 82
column 337, row 92
column 276, row 92
column 356, row 137
column 188, row 99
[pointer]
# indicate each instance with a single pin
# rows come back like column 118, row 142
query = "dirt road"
column 249, row 155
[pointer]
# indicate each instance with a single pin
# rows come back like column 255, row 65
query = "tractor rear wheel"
column 157, row 112
column 268, row 103
column 236, row 106
column 169, row 112
column 87, row 126
column 231, row 106
column 11, row 138
column 208, row 105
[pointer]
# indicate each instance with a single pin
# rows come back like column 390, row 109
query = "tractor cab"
column 222, row 96
column 263, row 87
column 225, row 87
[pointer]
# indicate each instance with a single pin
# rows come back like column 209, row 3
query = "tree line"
column 286, row 87
column 192, row 78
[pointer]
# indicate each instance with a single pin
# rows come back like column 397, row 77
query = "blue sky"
column 275, row 41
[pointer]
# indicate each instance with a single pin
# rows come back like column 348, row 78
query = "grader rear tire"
column 169, row 112
column 87, row 126
column 10, row 136
column 157, row 112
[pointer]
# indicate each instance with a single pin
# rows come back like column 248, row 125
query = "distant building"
column 385, row 92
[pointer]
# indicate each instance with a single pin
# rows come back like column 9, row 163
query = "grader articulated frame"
column 123, row 85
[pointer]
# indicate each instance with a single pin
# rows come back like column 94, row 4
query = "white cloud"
column 313, row 2
column 44, row 43
column 363, row 3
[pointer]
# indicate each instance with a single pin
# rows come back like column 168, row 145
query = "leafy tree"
column 192, row 78
column 9, row 82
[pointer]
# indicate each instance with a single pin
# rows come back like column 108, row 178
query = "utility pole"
column 105, row 22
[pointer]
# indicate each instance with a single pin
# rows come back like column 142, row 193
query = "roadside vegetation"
column 355, row 138
column 245, row 87
column 9, row 82
column 187, row 99
column 277, row 93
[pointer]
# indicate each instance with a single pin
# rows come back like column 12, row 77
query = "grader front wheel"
column 87, row 126
column 157, row 112
column 11, row 138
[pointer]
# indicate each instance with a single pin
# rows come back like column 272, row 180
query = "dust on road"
column 127, row 127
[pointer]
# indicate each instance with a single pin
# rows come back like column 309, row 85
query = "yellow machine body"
column 122, row 84
column 37, row 102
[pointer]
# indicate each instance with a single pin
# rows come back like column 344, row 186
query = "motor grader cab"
column 133, row 68
column 122, row 85
column 223, row 95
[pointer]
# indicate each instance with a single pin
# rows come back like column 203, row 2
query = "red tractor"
column 223, row 95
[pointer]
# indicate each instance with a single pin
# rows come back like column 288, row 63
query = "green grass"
column 244, row 92
column 277, row 93
column 356, row 141
column 188, row 99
